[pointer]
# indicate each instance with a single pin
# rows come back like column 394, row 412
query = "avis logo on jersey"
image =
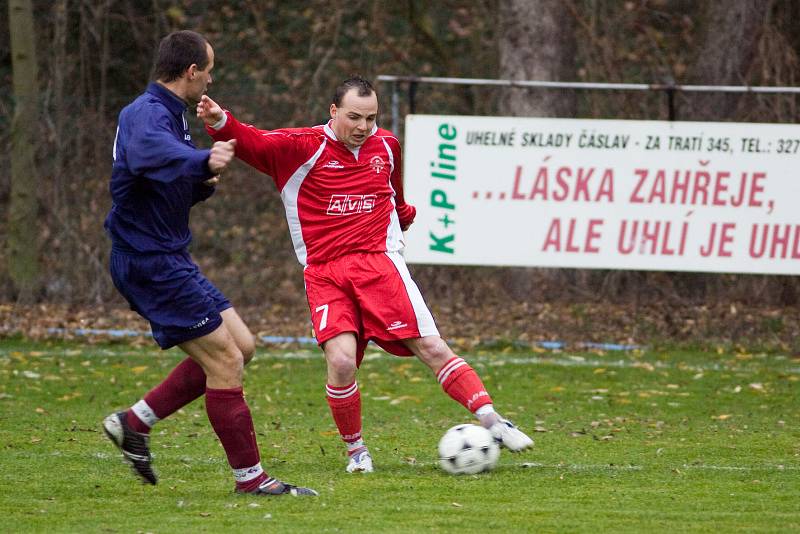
column 351, row 204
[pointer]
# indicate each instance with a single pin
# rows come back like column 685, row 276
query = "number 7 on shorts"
column 324, row 321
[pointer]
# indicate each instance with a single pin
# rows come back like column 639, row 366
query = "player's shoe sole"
column 135, row 447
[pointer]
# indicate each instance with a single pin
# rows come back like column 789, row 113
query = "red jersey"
column 338, row 200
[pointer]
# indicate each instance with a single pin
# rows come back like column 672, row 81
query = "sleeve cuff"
column 220, row 124
column 196, row 166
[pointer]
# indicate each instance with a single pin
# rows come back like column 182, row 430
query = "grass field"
column 658, row 442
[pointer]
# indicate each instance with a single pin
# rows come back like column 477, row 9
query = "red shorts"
column 371, row 295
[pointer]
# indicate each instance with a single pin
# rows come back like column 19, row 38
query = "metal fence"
column 669, row 89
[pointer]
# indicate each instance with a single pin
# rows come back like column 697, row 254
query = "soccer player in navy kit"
column 158, row 175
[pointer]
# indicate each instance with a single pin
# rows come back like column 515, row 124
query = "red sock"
column 463, row 384
column 345, row 404
column 230, row 417
column 184, row 384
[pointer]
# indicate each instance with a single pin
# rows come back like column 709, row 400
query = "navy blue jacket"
column 157, row 176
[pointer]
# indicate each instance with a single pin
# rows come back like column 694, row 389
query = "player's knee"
column 227, row 363
column 434, row 346
column 341, row 363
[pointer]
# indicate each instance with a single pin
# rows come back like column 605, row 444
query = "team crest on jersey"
column 377, row 164
column 351, row 204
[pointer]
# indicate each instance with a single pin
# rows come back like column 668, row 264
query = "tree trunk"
column 23, row 257
column 536, row 42
column 732, row 32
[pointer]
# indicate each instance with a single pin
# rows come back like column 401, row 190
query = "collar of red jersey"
column 329, row 130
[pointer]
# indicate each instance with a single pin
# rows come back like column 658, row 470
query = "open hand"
column 209, row 111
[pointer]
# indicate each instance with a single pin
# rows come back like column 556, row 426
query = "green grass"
column 659, row 442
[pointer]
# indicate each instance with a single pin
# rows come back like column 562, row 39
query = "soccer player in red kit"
column 341, row 186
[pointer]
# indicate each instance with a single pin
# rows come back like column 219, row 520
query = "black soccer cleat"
column 135, row 446
column 273, row 486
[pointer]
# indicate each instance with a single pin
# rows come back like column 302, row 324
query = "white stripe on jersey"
column 394, row 235
column 425, row 323
column 289, row 195
column 114, row 151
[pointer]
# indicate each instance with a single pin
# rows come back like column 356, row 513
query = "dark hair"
column 177, row 52
column 354, row 82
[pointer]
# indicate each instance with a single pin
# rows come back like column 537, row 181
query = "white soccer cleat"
column 360, row 462
column 509, row 436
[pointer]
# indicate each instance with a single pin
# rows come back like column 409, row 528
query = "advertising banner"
column 610, row 194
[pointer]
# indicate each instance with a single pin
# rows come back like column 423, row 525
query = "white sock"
column 248, row 473
column 355, row 445
column 145, row 414
column 486, row 415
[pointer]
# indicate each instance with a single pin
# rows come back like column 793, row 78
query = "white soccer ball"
column 468, row 449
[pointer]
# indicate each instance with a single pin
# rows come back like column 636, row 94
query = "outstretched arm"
column 278, row 153
column 261, row 149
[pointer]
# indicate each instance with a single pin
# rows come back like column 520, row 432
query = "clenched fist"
column 221, row 155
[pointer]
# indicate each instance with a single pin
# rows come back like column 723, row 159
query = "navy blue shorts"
column 169, row 291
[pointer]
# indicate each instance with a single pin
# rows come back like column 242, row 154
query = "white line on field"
column 778, row 467
column 539, row 465
column 567, row 360
column 616, row 467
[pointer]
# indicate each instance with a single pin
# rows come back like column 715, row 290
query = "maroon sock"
column 135, row 423
column 230, row 417
column 184, row 384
